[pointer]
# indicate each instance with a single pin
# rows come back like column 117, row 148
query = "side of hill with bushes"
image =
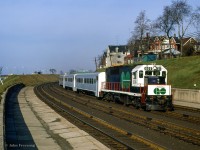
column 27, row 80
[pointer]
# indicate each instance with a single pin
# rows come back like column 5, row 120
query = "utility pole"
column 95, row 59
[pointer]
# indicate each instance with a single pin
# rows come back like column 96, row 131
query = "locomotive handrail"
column 114, row 86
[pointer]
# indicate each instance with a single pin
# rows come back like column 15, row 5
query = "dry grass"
column 27, row 80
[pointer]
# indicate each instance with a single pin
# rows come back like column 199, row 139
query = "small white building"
column 115, row 55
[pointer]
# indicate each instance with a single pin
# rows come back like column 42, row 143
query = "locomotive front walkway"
column 37, row 126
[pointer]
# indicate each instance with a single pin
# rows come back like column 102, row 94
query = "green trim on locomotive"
column 121, row 75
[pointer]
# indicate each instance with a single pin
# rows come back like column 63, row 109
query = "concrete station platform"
column 47, row 129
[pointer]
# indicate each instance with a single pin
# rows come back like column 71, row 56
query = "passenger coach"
column 89, row 82
column 69, row 81
column 62, row 80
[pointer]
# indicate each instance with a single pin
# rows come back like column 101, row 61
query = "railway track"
column 183, row 133
column 181, row 116
column 113, row 136
column 196, row 110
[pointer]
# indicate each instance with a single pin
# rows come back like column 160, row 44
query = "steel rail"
column 183, row 133
column 133, row 136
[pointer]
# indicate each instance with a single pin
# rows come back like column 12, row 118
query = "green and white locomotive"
column 144, row 86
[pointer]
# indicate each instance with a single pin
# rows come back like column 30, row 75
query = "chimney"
column 116, row 49
column 174, row 34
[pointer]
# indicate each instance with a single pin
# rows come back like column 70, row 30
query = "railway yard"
column 117, row 126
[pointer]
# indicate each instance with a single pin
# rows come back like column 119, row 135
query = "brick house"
column 157, row 45
column 190, row 46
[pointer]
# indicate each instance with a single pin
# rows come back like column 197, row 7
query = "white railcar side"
column 90, row 82
column 69, row 81
column 62, row 80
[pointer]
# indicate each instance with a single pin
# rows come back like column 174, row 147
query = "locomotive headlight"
column 163, row 97
column 154, row 68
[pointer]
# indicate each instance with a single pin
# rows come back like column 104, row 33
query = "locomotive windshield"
column 154, row 80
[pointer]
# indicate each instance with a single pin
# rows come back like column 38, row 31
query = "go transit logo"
column 159, row 91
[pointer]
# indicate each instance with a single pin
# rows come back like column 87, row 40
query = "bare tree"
column 73, row 71
column 52, row 71
column 142, row 26
column 61, row 72
column 166, row 23
column 197, row 22
column 178, row 13
column 184, row 17
column 1, row 68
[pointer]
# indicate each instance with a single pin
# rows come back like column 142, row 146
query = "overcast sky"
column 66, row 34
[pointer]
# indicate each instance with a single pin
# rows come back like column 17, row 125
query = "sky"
column 38, row 35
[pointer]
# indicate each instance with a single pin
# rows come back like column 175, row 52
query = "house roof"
column 129, row 56
column 162, row 39
column 121, row 48
column 174, row 52
column 186, row 40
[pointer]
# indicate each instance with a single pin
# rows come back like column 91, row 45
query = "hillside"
column 183, row 72
column 28, row 80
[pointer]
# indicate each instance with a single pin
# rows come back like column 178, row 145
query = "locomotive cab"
column 151, row 82
column 154, row 80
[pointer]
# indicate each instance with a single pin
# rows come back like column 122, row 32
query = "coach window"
column 91, row 81
column 140, row 74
